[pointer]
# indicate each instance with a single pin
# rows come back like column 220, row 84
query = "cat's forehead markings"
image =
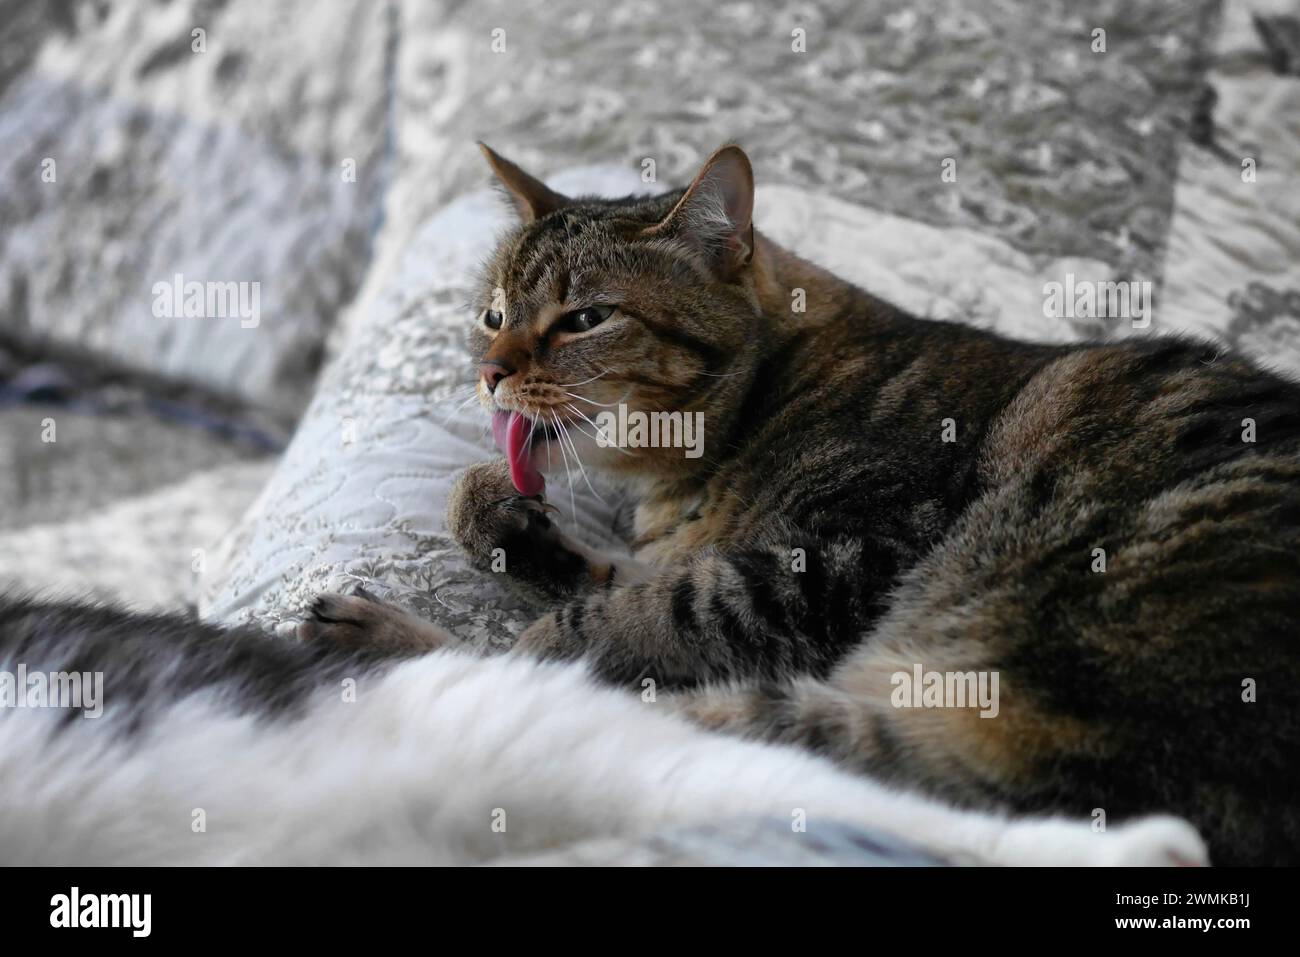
column 534, row 255
column 536, row 287
column 541, row 264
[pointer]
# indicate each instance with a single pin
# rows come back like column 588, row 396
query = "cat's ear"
column 532, row 198
column 716, row 214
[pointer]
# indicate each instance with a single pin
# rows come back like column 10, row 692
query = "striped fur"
column 1121, row 690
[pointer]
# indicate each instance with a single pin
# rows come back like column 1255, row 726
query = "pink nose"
column 493, row 373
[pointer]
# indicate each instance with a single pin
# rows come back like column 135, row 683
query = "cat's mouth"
column 521, row 438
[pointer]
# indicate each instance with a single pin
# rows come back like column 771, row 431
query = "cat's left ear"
column 532, row 198
column 717, row 212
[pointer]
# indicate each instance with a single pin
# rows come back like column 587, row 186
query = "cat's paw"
column 360, row 619
column 485, row 512
column 503, row 531
column 1157, row 841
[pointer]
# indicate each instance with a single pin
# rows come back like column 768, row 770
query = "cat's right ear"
column 716, row 213
column 531, row 197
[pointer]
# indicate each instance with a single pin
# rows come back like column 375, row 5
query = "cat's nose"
column 493, row 373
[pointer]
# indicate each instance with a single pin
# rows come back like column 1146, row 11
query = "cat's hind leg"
column 671, row 775
column 864, row 735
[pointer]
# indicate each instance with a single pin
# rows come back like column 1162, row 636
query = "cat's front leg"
column 716, row 616
column 503, row 531
column 362, row 621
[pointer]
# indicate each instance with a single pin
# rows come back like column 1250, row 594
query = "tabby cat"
column 1110, row 529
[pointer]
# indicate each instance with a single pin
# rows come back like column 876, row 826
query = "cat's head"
column 598, row 313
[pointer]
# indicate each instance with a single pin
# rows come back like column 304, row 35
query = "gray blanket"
column 308, row 148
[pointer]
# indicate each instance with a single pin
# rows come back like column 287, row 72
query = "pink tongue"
column 510, row 429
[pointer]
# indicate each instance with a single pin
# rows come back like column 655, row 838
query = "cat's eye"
column 492, row 319
column 580, row 320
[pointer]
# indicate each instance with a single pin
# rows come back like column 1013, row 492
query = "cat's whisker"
column 456, row 390
column 574, row 385
column 471, row 388
column 594, row 436
column 573, row 504
column 582, row 469
column 604, row 405
column 473, row 394
column 528, row 442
